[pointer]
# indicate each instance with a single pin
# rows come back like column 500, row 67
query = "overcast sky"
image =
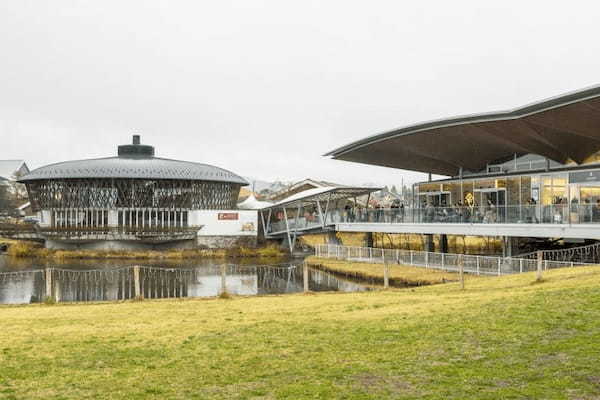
column 264, row 88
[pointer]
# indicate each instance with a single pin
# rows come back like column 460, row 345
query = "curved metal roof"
column 132, row 164
column 561, row 128
column 139, row 168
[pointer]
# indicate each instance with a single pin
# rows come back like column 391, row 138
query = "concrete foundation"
column 224, row 242
column 201, row 242
column 115, row 245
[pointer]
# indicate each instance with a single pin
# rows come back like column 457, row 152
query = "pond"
column 25, row 281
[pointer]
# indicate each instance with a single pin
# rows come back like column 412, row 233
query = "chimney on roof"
column 136, row 149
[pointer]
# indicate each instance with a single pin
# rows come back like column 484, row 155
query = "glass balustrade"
column 525, row 214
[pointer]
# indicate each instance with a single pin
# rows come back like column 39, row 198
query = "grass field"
column 501, row 338
column 399, row 275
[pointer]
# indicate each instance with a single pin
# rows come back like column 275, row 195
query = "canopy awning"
column 323, row 194
column 562, row 128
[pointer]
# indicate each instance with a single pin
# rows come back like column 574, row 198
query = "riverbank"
column 504, row 337
column 26, row 249
column 399, row 275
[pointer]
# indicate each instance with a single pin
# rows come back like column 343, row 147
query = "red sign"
column 228, row 216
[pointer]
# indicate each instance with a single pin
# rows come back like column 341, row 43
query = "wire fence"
column 585, row 254
column 473, row 264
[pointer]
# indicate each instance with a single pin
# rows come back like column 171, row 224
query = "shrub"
column 23, row 249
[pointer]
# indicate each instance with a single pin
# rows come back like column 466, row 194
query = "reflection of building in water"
column 273, row 280
column 322, row 281
column 21, row 287
column 118, row 284
column 207, row 282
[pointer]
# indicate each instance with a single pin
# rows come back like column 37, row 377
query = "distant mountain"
column 260, row 185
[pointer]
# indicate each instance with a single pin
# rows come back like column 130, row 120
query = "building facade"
column 532, row 171
column 137, row 200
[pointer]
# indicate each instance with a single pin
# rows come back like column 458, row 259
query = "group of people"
column 458, row 212
column 377, row 213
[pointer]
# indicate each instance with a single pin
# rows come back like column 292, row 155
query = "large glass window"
column 554, row 190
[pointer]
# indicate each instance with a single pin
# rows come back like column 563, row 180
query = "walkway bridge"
column 339, row 209
column 315, row 210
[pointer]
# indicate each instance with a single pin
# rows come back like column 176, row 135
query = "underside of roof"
column 562, row 128
column 323, row 194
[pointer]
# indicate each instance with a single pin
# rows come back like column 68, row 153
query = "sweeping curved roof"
column 561, row 128
column 135, row 162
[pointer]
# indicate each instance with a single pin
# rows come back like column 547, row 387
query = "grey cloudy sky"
column 264, row 88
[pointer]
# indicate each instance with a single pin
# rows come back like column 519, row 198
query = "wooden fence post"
column 461, row 271
column 305, row 277
column 136, row 281
column 540, row 261
column 48, row 279
column 386, row 275
column 223, row 278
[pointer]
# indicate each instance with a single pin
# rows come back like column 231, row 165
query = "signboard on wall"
column 225, row 222
column 228, row 216
column 584, row 176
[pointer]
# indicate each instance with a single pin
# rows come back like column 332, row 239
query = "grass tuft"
column 225, row 295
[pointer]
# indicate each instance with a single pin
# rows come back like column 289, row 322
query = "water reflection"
column 207, row 280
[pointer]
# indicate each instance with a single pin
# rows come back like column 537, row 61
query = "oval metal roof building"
column 135, row 161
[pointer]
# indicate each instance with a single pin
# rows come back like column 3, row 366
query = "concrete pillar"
column 443, row 243
column 510, row 246
column 429, row 244
column 369, row 239
column 332, row 238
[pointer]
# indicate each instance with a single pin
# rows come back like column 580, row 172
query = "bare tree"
column 5, row 201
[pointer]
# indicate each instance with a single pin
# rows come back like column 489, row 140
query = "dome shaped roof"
column 134, row 162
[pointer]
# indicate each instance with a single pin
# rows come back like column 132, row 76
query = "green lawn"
column 501, row 338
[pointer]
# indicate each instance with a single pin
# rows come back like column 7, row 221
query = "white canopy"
column 251, row 203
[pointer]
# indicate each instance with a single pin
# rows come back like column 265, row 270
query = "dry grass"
column 400, row 275
column 502, row 338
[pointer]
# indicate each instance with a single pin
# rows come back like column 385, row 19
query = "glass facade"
column 549, row 197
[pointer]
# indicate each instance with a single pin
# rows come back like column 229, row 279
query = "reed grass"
column 24, row 249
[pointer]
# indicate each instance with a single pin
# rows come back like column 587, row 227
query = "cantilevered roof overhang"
column 561, row 128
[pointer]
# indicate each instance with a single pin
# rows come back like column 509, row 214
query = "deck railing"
column 523, row 214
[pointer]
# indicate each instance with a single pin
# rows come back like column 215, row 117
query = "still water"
column 25, row 281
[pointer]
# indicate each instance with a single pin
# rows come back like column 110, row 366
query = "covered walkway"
column 314, row 210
